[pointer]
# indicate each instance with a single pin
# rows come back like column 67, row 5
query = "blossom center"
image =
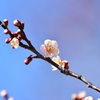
column 49, row 48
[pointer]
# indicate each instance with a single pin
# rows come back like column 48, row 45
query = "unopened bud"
column 5, row 22
column 8, row 40
column 22, row 25
column 15, row 34
column 17, row 23
column 28, row 60
column 19, row 38
column 7, row 31
column 3, row 93
column 65, row 64
column 19, row 32
column 74, row 97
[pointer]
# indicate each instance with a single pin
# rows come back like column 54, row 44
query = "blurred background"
column 74, row 24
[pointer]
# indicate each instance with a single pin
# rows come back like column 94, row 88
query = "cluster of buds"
column 15, row 37
column 50, row 49
column 19, row 24
column 4, row 94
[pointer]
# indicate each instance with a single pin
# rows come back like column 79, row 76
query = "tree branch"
column 47, row 59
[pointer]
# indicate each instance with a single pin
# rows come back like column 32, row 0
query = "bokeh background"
column 74, row 24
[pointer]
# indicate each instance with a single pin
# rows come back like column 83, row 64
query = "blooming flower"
column 88, row 98
column 14, row 43
column 50, row 48
column 59, row 62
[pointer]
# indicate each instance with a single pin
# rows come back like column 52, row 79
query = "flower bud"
column 28, row 60
column 65, row 64
column 15, row 34
column 5, row 22
column 74, row 97
column 22, row 25
column 19, row 38
column 7, row 31
column 17, row 23
column 79, row 96
column 19, row 32
column 8, row 40
column 3, row 93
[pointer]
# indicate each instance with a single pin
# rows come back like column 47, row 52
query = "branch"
column 80, row 77
column 24, row 46
column 72, row 74
column 65, row 71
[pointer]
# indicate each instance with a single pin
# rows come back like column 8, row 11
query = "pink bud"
column 19, row 38
column 17, row 23
column 19, row 31
column 7, row 31
column 15, row 34
column 65, row 64
column 28, row 60
column 22, row 25
column 8, row 40
column 5, row 22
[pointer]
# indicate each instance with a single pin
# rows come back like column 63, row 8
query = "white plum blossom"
column 50, row 48
column 60, row 62
column 14, row 43
column 88, row 98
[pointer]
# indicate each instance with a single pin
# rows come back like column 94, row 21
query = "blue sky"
column 74, row 24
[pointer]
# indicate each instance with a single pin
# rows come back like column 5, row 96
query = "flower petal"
column 14, row 43
column 54, row 68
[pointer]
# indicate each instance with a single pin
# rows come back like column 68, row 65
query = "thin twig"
column 80, row 77
column 5, row 27
column 64, row 71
